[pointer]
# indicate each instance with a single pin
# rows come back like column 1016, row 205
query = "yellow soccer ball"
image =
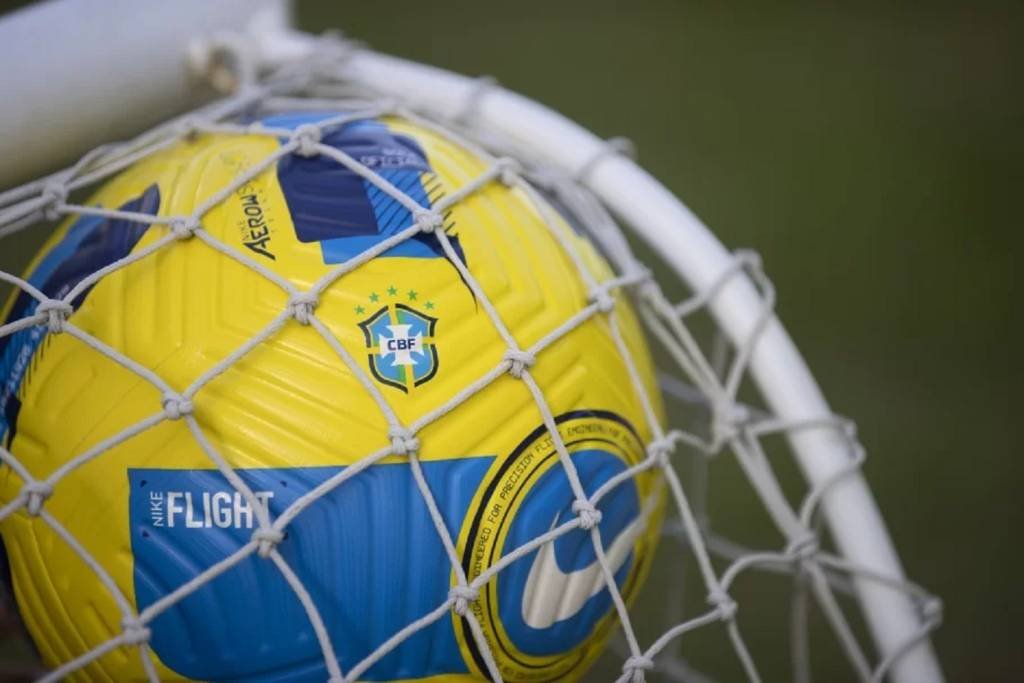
column 154, row 479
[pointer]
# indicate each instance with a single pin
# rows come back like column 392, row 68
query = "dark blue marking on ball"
column 91, row 244
column 332, row 205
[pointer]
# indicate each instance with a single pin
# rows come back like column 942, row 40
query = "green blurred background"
column 871, row 153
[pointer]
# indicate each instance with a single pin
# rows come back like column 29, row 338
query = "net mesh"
column 703, row 379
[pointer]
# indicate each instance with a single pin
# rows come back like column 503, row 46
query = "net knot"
column 402, row 441
column 177, row 406
column 267, row 539
column 588, row 514
column 726, row 421
column 57, row 312
column 721, row 600
column 518, row 361
column 184, row 227
column 602, row 298
column 508, row 170
column 302, row 305
column 635, row 667
column 55, row 194
column 307, row 137
column 36, row 493
column 429, row 221
column 803, row 547
column 461, row 597
column 659, row 450
column 134, row 631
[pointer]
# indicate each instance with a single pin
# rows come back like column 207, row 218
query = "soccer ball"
column 305, row 419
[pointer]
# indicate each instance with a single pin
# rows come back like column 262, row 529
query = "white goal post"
column 78, row 73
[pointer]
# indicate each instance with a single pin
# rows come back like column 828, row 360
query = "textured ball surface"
column 289, row 416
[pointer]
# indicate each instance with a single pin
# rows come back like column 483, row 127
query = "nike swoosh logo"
column 554, row 595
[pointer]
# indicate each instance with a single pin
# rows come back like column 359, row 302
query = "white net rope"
column 709, row 379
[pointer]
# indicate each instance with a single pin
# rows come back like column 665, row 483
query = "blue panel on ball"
column 346, row 214
column 367, row 552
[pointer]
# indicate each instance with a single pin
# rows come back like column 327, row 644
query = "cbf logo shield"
column 400, row 342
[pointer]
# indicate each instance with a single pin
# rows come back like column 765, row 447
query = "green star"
column 392, row 291
column 430, row 305
column 412, row 295
column 360, row 310
column 374, row 296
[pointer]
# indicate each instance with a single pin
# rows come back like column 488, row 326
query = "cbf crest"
column 400, row 346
